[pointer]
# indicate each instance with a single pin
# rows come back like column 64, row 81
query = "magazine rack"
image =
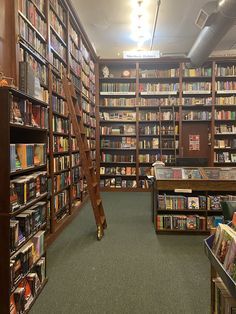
column 218, row 267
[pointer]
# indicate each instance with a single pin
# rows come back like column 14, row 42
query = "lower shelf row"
column 187, row 222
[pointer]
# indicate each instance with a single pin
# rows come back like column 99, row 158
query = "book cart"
column 187, row 200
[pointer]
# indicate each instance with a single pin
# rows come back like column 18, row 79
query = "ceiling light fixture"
column 140, row 33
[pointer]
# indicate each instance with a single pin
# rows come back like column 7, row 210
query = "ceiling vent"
column 201, row 19
column 221, row 17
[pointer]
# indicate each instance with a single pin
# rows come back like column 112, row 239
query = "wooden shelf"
column 32, row 26
column 40, row 58
column 117, row 135
column 30, row 169
column 58, row 17
column 197, row 92
column 223, row 92
column 58, row 95
column 53, row 50
column 116, row 79
column 118, row 175
column 117, row 107
column 165, row 231
column 160, row 93
column 117, row 93
column 182, row 210
column 116, row 189
column 61, row 153
column 119, row 149
column 61, row 171
column 60, row 115
column 38, row 10
column 158, row 79
column 61, row 190
column 26, row 127
column 202, row 78
column 61, row 134
column 58, row 36
column 29, row 204
column 12, row 253
column 118, row 162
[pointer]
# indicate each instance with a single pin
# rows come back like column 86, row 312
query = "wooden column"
column 8, row 39
column 5, row 205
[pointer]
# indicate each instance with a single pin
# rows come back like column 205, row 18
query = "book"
column 25, row 154
column 230, row 259
column 15, row 113
column 39, row 154
column 26, row 78
column 13, row 309
column 193, row 202
column 224, row 241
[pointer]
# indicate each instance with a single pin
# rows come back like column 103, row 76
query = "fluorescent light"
column 221, row 2
column 139, row 31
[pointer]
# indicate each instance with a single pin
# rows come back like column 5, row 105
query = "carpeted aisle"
column 132, row 270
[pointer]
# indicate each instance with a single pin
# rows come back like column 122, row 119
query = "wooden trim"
column 4, row 204
column 109, row 189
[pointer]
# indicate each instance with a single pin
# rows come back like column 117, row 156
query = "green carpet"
column 132, row 270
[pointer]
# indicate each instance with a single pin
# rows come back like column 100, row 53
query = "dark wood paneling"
column 8, row 38
column 195, row 128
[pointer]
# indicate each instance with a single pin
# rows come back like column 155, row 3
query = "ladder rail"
column 86, row 161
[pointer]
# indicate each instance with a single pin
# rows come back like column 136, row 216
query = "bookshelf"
column 118, row 127
column 173, row 103
column 53, row 41
column 224, row 113
column 24, row 216
column 188, row 200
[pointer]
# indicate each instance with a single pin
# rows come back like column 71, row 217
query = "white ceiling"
column 108, row 26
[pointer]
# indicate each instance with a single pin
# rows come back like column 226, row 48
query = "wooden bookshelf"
column 15, row 134
column 173, row 210
column 58, row 43
column 171, row 101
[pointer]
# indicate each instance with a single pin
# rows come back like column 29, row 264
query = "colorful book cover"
column 193, row 202
column 224, row 244
column 230, row 259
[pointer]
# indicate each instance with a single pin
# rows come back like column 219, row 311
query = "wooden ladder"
column 85, row 157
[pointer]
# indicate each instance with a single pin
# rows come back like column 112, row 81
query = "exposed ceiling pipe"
column 155, row 23
column 217, row 25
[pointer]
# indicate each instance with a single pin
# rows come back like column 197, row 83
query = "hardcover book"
column 193, row 202
column 27, row 78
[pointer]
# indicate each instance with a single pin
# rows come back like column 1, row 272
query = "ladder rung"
column 99, row 202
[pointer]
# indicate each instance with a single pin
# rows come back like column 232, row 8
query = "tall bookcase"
column 170, row 107
column 24, row 198
column 53, row 41
column 48, row 36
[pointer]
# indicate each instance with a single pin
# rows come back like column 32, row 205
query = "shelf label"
column 183, row 190
column 141, row 54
